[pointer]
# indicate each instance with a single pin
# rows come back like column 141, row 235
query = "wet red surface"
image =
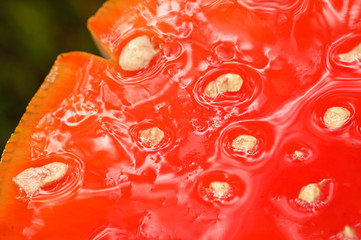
column 89, row 112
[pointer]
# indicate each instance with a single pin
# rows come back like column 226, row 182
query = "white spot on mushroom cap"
column 351, row 56
column 211, row 90
column 137, row 54
column 298, row 154
column 244, row 142
column 349, row 232
column 152, row 136
column 311, row 192
column 229, row 82
column 336, row 117
column 31, row 179
column 219, row 189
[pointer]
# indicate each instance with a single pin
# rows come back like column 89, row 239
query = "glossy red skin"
column 89, row 112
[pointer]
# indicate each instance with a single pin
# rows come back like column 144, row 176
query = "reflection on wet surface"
column 287, row 54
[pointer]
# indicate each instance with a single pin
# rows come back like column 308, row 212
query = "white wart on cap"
column 219, row 189
column 137, row 54
column 351, row 56
column 229, row 82
column 244, row 143
column 311, row 192
column 336, row 117
column 31, row 179
column 152, row 136
column 348, row 232
column 298, row 154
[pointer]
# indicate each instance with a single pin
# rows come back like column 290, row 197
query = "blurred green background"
column 32, row 34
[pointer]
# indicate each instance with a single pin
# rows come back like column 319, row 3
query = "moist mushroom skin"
column 31, row 179
column 137, row 54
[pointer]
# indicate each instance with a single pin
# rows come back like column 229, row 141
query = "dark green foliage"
column 32, row 34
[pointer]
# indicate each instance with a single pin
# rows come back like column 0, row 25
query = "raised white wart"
column 31, row 179
column 244, row 142
column 229, row 82
column 152, row 136
column 137, row 54
column 336, row 117
column 351, row 56
column 219, row 189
